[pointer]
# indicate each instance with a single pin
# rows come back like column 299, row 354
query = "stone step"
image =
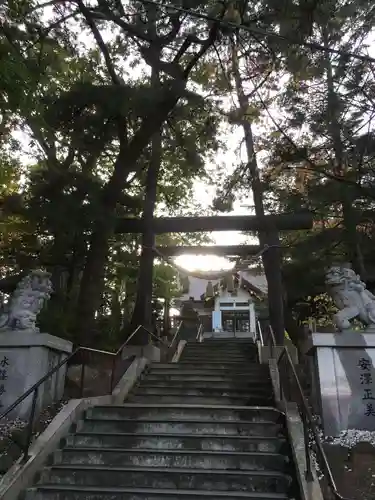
column 172, row 478
column 219, row 352
column 61, row 492
column 252, row 399
column 226, row 340
column 231, row 341
column 241, row 362
column 232, row 392
column 202, row 376
column 219, row 368
column 249, row 358
column 243, row 357
column 225, row 360
column 175, row 442
column 221, row 346
column 251, row 368
column 199, row 428
column 223, row 342
column 181, row 412
column 190, row 376
column 220, row 362
column 235, row 385
column 214, row 371
column 223, row 460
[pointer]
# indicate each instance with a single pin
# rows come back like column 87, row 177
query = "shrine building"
column 227, row 307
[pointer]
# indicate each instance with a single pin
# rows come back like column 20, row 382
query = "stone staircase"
column 201, row 428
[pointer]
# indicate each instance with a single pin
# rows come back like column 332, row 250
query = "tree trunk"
column 166, row 317
column 92, row 282
column 142, row 314
column 271, row 258
column 353, row 252
column 296, row 332
column 93, row 276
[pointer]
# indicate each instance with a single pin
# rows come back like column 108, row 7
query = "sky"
column 204, row 194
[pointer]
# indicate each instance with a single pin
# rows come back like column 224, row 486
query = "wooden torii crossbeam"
column 283, row 222
column 222, row 250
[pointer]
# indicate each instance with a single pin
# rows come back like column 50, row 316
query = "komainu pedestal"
column 26, row 355
column 24, row 359
column 344, row 379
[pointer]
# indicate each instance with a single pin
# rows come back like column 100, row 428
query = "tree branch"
column 99, row 40
column 176, row 25
column 314, row 168
column 132, row 30
column 204, row 48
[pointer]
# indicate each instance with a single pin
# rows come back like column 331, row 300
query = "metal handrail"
column 308, row 422
column 259, row 333
column 175, row 335
column 172, row 345
column 199, row 332
column 259, row 340
column 35, row 388
column 136, row 331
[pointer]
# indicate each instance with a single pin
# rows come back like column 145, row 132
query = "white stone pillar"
column 252, row 318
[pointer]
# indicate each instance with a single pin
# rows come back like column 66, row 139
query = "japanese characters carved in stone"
column 26, row 302
column 350, row 296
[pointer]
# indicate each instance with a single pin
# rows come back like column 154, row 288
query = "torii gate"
column 271, row 225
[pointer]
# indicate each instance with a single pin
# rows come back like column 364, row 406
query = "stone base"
column 25, row 357
column 228, row 335
column 344, row 365
column 150, row 352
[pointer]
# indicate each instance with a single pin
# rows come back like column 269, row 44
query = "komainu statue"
column 26, row 302
column 350, row 296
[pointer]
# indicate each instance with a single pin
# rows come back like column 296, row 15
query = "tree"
column 91, row 133
column 322, row 148
column 152, row 34
column 245, row 68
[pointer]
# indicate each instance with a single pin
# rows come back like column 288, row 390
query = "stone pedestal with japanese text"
column 25, row 357
column 344, row 378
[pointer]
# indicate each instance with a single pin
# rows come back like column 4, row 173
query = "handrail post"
column 82, row 381
column 282, row 395
column 29, row 431
column 308, row 473
column 112, row 381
